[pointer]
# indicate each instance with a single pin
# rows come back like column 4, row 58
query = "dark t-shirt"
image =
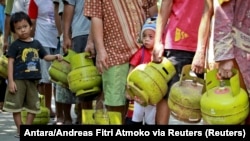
column 27, row 59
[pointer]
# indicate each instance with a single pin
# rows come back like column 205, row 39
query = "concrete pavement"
column 8, row 128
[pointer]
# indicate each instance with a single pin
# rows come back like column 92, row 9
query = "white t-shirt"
column 20, row 5
column 46, row 31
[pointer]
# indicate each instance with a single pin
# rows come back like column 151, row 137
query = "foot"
column 59, row 121
column 52, row 114
column 17, row 135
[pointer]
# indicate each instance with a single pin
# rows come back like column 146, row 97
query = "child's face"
column 22, row 29
column 148, row 38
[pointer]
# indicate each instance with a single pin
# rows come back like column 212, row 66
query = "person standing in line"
column 76, row 36
column 232, row 40
column 7, row 32
column 59, row 112
column 24, row 70
column 116, row 27
column 63, row 96
column 138, row 114
column 42, row 16
column 176, row 39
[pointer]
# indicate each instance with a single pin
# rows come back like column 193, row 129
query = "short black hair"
column 17, row 17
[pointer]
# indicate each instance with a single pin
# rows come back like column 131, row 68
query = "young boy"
column 24, row 70
column 137, row 114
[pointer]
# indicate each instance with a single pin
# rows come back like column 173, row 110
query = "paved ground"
column 8, row 128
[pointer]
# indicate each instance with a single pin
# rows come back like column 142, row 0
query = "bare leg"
column 17, row 120
column 162, row 113
column 46, row 90
column 30, row 118
column 83, row 105
column 59, row 113
column 67, row 115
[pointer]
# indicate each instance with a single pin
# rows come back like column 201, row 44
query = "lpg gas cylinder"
column 4, row 66
column 83, row 78
column 184, row 97
column 148, row 82
column 59, row 70
column 224, row 101
column 42, row 117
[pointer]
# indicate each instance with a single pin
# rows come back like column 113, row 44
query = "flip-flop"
column 59, row 123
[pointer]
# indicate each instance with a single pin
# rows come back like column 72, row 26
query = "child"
column 137, row 113
column 24, row 70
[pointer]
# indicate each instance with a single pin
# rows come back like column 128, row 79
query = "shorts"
column 64, row 95
column 179, row 59
column 26, row 97
column 45, row 66
column 146, row 114
column 79, row 43
column 114, row 82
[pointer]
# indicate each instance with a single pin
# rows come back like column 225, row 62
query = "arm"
column 12, row 84
column 57, row 18
column 68, row 12
column 223, row 39
column 7, row 33
column 162, row 19
column 97, row 34
column 153, row 11
column 198, row 63
column 90, row 45
column 50, row 57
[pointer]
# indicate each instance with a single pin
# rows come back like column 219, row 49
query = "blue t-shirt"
column 2, row 17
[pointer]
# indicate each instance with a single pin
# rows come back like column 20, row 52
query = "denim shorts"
column 179, row 58
column 79, row 43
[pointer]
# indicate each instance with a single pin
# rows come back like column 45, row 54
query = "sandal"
column 59, row 123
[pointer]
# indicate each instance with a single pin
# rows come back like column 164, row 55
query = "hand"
column 12, row 87
column 91, row 49
column 138, row 100
column 157, row 53
column 59, row 57
column 101, row 61
column 67, row 44
column 225, row 69
column 5, row 47
column 198, row 63
column 127, row 94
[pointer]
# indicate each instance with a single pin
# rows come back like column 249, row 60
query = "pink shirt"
column 232, row 34
column 182, row 30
